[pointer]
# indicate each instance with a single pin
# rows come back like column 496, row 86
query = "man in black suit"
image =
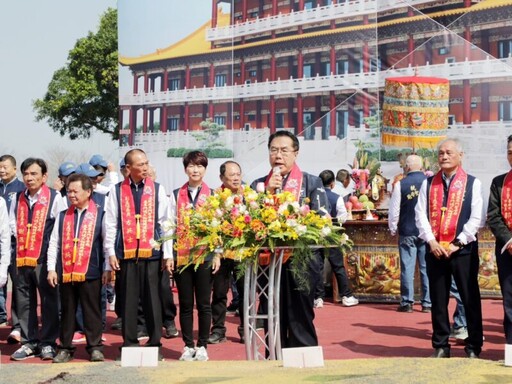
column 499, row 219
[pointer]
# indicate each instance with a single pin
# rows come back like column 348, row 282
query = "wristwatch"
column 458, row 243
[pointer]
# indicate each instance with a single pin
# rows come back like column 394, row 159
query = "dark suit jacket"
column 494, row 216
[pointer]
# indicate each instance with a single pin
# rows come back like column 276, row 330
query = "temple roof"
column 196, row 43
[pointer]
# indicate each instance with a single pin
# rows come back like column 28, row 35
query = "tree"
column 83, row 95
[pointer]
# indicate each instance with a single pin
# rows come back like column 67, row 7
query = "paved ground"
column 367, row 371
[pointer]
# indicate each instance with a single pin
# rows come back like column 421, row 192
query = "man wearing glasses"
column 449, row 214
column 296, row 304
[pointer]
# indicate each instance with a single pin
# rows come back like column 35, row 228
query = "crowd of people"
column 68, row 243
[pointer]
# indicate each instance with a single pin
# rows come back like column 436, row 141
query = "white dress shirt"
column 5, row 238
column 394, row 208
column 341, row 210
column 110, row 222
column 59, row 204
column 56, row 241
column 469, row 230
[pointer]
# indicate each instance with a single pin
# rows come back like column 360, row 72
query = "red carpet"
column 364, row 331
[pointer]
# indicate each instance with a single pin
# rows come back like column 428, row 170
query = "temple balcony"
column 453, row 71
column 309, row 16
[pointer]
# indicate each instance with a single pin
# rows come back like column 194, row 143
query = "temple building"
column 318, row 67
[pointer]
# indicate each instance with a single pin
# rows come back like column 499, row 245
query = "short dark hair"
column 223, row 166
column 34, row 160
column 8, row 158
column 327, row 177
column 509, row 139
column 195, row 157
column 342, row 175
column 84, row 180
column 284, row 133
column 128, row 156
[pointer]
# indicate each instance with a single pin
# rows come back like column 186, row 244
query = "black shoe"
column 215, row 338
column 232, row 308
column 407, row 308
column 441, row 353
column 97, row 356
column 241, row 334
column 142, row 335
column 171, row 331
column 63, row 356
column 471, row 353
column 117, row 324
column 260, row 324
column 426, row 309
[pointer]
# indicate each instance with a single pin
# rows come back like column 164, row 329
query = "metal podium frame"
column 263, row 281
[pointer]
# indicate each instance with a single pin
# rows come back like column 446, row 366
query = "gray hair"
column 457, row 142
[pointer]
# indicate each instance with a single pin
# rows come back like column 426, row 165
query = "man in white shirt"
column 401, row 219
column 449, row 214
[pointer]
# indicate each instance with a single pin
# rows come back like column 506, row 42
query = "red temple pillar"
column 135, row 83
column 332, row 108
column 214, row 13
column 187, row 77
column 300, row 116
column 241, row 111
column 272, row 119
column 163, row 118
column 244, row 11
column 165, row 82
column 242, row 71
column 186, row 118
column 300, row 65
column 332, row 60
column 211, row 77
column 466, row 113
column 133, row 124
column 120, row 125
column 146, row 82
column 211, row 110
column 274, row 7
column 144, row 119
column 273, row 68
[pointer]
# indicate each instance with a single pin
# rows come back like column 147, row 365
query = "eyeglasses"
column 285, row 151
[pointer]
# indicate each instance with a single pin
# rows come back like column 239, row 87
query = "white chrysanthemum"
column 301, row 229
column 214, row 223
column 254, row 204
column 229, row 202
column 292, row 223
column 326, row 231
column 154, row 244
column 167, row 225
column 251, row 196
column 242, row 208
column 218, row 212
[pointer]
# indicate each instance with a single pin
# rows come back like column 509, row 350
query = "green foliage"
column 210, row 133
column 83, row 95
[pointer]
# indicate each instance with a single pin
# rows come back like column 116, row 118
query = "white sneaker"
column 201, row 354
column 349, row 301
column 188, row 354
column 459, row 333
column 318, row 303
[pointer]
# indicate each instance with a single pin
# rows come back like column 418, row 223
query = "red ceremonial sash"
column 138, row 229
column 506, row 200
column 76, row 251
column 184, row 243
column 443, row 220
column 30, row 235
column 293, row 185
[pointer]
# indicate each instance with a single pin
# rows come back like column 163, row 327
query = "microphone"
column 276, row 171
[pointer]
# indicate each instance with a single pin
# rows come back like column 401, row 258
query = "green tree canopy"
column 83, row 94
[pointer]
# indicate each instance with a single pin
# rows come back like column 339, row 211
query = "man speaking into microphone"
column 296, row 304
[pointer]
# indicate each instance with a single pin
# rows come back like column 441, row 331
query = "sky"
column 35, row 38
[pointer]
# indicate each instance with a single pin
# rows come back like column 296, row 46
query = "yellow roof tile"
column 196, row 44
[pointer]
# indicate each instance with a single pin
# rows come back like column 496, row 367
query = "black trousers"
column 140, row 280
column 88, row 294
column 504, row 262
column 463, row 265
column 335, row 257
column 31, row 281
column 195, row 283
column 221, row 284
column 169, row 310
column 296, row 307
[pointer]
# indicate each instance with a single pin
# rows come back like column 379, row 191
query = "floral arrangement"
column 244, row 223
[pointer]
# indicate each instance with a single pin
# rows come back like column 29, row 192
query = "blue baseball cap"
column 67, row 168
column 98, row 160
column 87, row 170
